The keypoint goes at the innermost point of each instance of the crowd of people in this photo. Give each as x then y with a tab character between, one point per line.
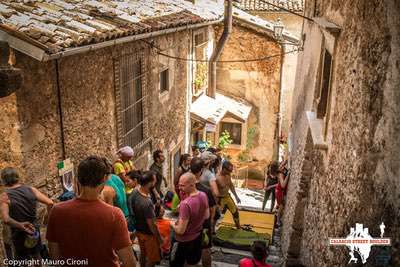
117	205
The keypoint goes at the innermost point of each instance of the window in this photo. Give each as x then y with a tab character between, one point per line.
325	85
200	38
200	68
131	100
234	130
164	80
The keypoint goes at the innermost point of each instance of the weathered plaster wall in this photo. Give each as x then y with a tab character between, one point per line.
356	179
256	82
293	24
10	140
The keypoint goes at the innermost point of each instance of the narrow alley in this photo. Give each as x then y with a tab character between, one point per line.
207	133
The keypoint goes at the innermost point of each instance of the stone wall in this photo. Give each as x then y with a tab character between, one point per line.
256	82
355	180
88	104
37	124
167	110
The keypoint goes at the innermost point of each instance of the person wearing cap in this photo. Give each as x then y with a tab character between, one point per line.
208	178
123	165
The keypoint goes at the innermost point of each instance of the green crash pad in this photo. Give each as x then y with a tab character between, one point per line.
230	237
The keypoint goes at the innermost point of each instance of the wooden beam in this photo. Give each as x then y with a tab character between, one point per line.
23	37
326	25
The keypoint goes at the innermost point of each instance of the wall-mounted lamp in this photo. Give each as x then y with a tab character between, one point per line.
278	29
278	34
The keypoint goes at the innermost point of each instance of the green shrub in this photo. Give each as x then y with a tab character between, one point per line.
224	140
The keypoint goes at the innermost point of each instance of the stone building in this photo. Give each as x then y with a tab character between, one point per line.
259	83
293	24
97	75
344	146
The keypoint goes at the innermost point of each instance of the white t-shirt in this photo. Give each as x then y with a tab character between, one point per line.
206	177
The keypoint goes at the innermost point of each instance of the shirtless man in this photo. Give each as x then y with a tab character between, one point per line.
225	201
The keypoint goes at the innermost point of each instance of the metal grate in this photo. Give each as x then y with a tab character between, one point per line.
131	78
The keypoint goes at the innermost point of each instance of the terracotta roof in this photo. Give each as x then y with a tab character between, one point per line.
262	5
57	25
251	21
212	110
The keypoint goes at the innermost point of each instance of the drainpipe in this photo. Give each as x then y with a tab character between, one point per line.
279	115
212	68
59	106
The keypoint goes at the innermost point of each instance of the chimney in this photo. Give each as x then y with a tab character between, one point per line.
10	78
212	68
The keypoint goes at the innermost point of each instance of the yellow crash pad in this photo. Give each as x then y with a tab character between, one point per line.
260	222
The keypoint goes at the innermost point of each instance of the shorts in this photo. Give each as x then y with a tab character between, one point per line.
227	203
186	252
21	251
280	195
130	221
206	238
149	246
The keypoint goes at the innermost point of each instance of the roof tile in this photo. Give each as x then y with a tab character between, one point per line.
262	5
62	24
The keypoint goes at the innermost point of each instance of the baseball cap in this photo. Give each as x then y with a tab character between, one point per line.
208	156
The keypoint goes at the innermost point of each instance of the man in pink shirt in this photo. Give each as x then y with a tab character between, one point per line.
259	252
193	211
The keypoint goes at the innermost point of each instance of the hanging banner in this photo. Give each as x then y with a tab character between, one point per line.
66	172
211	127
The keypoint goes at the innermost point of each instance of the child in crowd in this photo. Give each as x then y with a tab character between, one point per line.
164	228
259	251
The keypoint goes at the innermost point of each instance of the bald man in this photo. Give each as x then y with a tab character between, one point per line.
193	211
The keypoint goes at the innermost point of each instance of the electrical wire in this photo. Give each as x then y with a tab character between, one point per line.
219	61
230	61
